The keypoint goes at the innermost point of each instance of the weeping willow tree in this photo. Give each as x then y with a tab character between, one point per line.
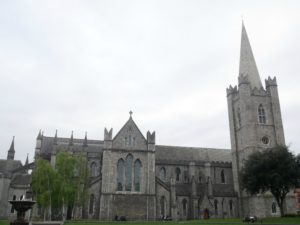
63	187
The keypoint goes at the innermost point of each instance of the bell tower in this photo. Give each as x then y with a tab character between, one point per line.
254	119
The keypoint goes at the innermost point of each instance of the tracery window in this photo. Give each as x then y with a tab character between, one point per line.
162	174
137	175
91	208
261	115
216	206
128	172
94	169
222	177
184	207
120	175
177	171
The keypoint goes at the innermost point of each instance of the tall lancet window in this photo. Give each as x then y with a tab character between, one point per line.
239	121
128	173
137	175
261	115
120	175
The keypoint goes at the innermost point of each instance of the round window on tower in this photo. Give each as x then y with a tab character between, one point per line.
265	140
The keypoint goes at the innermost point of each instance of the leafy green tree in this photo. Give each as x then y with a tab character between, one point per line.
43	184
63	187
275	170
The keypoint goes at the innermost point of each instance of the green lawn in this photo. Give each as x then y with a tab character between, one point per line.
282	221
286	220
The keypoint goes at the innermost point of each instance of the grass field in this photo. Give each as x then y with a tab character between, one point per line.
282	221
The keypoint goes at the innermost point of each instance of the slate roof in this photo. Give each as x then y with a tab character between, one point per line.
7	166
21	180
175	154
63	143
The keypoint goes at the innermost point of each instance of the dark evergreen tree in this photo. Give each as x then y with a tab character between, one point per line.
276	170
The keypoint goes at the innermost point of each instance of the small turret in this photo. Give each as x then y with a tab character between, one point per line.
39	137
85	142
108	138
71	142
11	151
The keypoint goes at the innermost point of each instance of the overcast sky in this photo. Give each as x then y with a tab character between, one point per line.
83	65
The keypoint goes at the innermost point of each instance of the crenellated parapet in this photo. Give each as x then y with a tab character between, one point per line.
271	82
260	91
231	90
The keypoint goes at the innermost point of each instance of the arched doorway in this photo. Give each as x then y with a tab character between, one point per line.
206	214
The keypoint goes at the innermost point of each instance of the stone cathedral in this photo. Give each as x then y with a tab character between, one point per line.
132	176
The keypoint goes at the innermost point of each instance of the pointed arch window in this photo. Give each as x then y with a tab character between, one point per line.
177	171
120	175
137	175
239	121
128	172
261	114
184	207
216	206
222	177
162	174
92	200
94	169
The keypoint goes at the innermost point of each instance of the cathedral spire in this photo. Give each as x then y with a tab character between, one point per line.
247	62
11	151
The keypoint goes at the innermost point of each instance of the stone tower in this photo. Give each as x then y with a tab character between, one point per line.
255	121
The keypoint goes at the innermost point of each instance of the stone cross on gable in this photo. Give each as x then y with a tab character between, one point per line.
130	113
